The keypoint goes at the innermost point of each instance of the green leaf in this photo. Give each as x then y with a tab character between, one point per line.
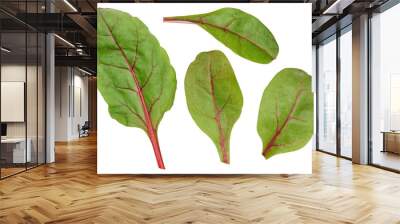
285	119
214	98
243	33
135	76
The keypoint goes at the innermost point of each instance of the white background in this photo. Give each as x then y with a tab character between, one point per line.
185	148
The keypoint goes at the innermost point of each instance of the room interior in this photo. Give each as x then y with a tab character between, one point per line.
48	107
22	102
335	66
385	85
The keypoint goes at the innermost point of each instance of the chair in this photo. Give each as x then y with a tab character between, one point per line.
84	130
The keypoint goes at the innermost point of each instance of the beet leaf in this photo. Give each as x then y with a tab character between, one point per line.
135	76
243	33
285	119
214	98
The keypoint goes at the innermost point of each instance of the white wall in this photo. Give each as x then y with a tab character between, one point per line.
81	83
33	127
12	73
17	73
13	100
70	83
62	81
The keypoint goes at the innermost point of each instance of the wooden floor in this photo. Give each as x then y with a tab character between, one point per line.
69	191
5	172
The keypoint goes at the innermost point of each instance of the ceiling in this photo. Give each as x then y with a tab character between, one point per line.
75	21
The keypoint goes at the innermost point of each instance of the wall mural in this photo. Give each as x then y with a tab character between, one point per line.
203	102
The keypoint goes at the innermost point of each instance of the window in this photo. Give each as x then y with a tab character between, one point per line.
346	93
385	89
22	77
334	106
327	96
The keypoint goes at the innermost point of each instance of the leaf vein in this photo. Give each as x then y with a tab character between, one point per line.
278	130
201	21
217	117
149	125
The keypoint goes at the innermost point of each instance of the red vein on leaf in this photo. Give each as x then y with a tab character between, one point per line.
278	130
125	88
297	118
136	47
115	66
156	100
217	118
152	133
134	112
150	74
110	83
286	144
223	28
226	103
